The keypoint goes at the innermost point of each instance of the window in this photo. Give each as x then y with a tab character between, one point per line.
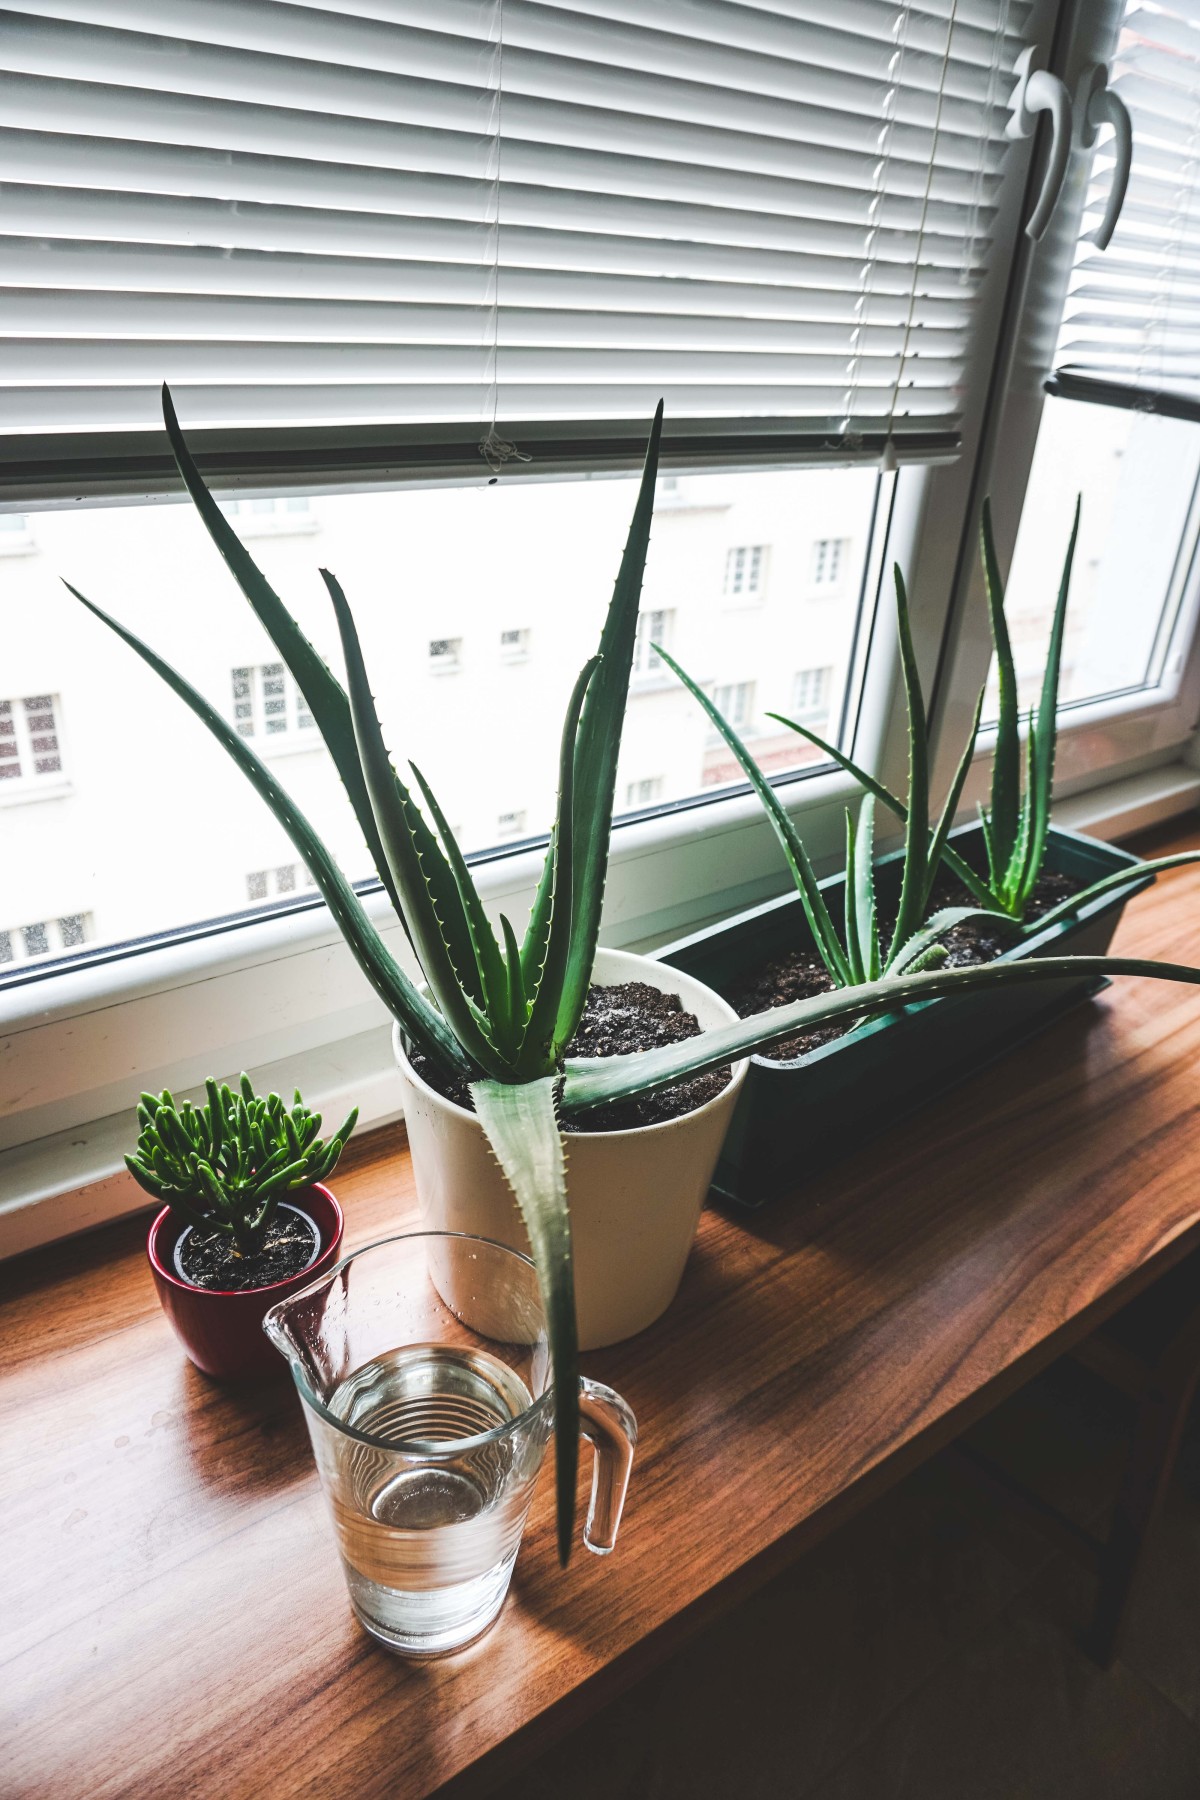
511	824
16	539
810	696
271	884
1111	413
286	516
829	556
652	628
735	701
30	747
268	703
25	943
514	645
445	655
744	569
1136	475
644	792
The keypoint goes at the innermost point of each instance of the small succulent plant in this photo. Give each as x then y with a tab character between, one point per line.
225	1166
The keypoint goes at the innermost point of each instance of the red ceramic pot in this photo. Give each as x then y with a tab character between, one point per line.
222	1330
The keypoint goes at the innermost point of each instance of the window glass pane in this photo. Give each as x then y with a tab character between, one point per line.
473	639
1137	475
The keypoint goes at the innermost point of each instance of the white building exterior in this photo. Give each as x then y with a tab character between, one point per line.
477	607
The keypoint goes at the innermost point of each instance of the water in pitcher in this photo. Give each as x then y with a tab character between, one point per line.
429	1535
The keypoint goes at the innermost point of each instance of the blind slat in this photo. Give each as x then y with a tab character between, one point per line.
1131	315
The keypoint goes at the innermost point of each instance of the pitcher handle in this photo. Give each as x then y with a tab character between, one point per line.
610	1428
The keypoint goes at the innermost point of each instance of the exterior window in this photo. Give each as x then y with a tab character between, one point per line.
268	703
30	746
269	884
644	792
810	695
284	516
445	654
514	645
16	539
481	759
745	569
735	701
1139	477
829	560
656	627
45	937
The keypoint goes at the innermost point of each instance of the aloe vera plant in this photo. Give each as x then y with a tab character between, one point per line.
501	1012
1016	821
226	1165
861	955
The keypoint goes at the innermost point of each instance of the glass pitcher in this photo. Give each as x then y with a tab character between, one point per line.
429	1433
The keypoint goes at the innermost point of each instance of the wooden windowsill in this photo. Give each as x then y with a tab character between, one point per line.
174	1618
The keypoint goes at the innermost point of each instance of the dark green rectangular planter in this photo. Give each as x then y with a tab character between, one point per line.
797	1116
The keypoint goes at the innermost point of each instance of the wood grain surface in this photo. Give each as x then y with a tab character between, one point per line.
172	1614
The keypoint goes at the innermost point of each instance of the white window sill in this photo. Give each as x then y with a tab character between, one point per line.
25	793
286	743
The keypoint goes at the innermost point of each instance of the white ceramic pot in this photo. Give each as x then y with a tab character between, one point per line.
635	1196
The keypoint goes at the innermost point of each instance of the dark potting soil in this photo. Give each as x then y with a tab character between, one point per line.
631	1015
210	1259
800	973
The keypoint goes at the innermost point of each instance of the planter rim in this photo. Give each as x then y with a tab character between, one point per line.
737	1075
191	1287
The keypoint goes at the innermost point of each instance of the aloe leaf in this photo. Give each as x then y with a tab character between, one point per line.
1045	729
598	1081
537	930
1013	887
322	691
950	856
944	921
1109	884
945	824
1006	761
316	681
399	995
815	910
597	748
416	876
916	829
489	963
521	1126
866	880
518	1002
850	890
995	873
540	1049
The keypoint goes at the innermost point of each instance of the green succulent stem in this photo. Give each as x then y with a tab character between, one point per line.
225	1166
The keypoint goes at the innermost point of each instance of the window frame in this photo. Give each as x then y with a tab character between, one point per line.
1104	738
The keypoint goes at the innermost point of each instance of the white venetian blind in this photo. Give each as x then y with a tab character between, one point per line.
1132	317
413	212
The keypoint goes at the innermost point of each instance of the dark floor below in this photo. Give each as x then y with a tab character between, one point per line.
931	1651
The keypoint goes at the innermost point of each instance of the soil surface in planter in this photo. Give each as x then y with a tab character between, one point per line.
631	1015
210	1259
800	973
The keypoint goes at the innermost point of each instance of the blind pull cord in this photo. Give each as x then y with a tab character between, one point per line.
495	450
